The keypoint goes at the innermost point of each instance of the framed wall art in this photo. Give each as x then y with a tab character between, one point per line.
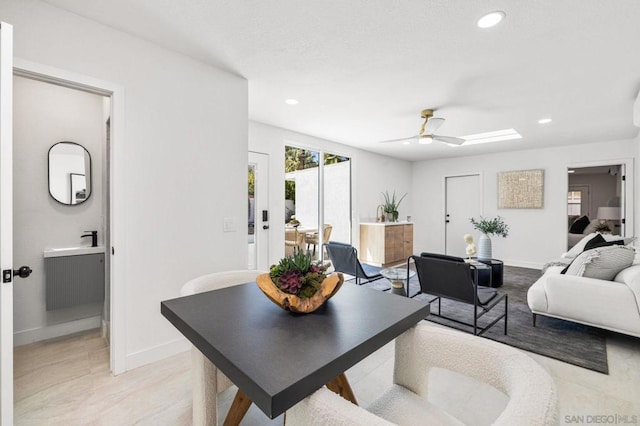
521	189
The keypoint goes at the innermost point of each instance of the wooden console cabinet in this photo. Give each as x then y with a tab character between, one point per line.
385	244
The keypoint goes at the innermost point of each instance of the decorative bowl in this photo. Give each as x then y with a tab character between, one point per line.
290	302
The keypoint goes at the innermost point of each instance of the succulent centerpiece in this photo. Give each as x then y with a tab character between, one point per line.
298	284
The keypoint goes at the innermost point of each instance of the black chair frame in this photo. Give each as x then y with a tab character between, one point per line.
479	309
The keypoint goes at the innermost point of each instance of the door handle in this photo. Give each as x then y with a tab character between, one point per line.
265	226
22	272
447	221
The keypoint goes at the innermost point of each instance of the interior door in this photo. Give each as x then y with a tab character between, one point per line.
6	224
259	211
462	202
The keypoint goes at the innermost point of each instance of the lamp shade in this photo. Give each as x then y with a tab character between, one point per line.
609	213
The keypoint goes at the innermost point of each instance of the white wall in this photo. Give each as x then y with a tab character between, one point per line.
371	175
45	114
185	144
536	235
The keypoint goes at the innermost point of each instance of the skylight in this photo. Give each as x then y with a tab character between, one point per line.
496	136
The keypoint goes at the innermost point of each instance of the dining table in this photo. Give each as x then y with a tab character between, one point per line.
275	357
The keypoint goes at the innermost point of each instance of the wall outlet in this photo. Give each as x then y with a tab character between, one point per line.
229	224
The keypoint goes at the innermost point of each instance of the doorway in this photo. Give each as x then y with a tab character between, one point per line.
463	195
258	223
598	196
114	190
59	203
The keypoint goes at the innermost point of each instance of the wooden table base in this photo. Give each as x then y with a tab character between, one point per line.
241	402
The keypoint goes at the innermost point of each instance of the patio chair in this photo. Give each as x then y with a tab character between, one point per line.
344	258
452	278
292	239
311	238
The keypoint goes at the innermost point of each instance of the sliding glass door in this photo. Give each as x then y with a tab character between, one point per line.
317	199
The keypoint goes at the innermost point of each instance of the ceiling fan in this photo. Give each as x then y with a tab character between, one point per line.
426	135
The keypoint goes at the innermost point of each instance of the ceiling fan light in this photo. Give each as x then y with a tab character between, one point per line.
424	140
491	19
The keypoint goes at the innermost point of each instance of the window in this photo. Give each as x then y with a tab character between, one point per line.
574	203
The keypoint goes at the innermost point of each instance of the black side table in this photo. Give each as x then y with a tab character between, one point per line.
497	268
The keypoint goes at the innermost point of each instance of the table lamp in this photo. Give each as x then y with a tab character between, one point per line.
608	213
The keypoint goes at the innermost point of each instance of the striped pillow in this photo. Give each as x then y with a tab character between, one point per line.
603	263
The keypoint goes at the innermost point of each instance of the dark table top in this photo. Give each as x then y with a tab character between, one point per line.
278	358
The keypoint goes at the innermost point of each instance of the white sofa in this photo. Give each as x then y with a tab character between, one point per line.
612	305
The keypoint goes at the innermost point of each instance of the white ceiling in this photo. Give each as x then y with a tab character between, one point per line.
363	69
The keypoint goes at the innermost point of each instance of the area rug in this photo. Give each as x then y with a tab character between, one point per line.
566	341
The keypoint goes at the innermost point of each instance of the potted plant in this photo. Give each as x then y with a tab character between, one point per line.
298	284
488	227
391	205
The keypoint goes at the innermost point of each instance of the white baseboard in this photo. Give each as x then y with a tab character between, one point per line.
524	264
49	332
156	353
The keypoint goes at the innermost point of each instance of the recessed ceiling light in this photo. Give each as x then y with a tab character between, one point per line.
291	102
498	135
545	120
406	143
491	19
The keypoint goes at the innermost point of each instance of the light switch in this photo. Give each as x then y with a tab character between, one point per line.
229	224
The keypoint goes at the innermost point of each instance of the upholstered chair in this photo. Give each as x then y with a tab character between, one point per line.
208	381
531	391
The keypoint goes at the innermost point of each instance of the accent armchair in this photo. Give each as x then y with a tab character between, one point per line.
530	389
344	258
452	278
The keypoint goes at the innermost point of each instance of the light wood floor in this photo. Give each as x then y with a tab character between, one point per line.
66	381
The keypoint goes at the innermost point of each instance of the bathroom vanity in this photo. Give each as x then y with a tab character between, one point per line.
74	276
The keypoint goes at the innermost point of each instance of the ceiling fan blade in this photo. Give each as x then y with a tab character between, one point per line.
449	139
410	139
433	124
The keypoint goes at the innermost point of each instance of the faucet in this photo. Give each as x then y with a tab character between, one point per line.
94	237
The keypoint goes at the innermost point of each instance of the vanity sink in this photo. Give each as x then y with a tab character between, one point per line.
73	251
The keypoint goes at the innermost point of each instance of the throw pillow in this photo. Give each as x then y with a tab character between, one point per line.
579	225
599	241
579	247
602	263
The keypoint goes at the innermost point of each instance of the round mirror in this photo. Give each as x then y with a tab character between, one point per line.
69	173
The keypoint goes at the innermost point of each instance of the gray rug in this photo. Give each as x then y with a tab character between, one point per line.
566	341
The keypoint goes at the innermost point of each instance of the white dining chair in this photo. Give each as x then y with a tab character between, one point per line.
208	381
530	389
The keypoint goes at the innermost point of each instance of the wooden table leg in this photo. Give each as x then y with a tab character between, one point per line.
238	409
340	385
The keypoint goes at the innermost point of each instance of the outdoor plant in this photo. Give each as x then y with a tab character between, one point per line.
298	274
391	205
495	226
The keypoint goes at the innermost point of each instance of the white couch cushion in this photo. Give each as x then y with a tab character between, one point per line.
602	263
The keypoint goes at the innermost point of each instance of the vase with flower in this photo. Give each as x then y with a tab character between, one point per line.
488	227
